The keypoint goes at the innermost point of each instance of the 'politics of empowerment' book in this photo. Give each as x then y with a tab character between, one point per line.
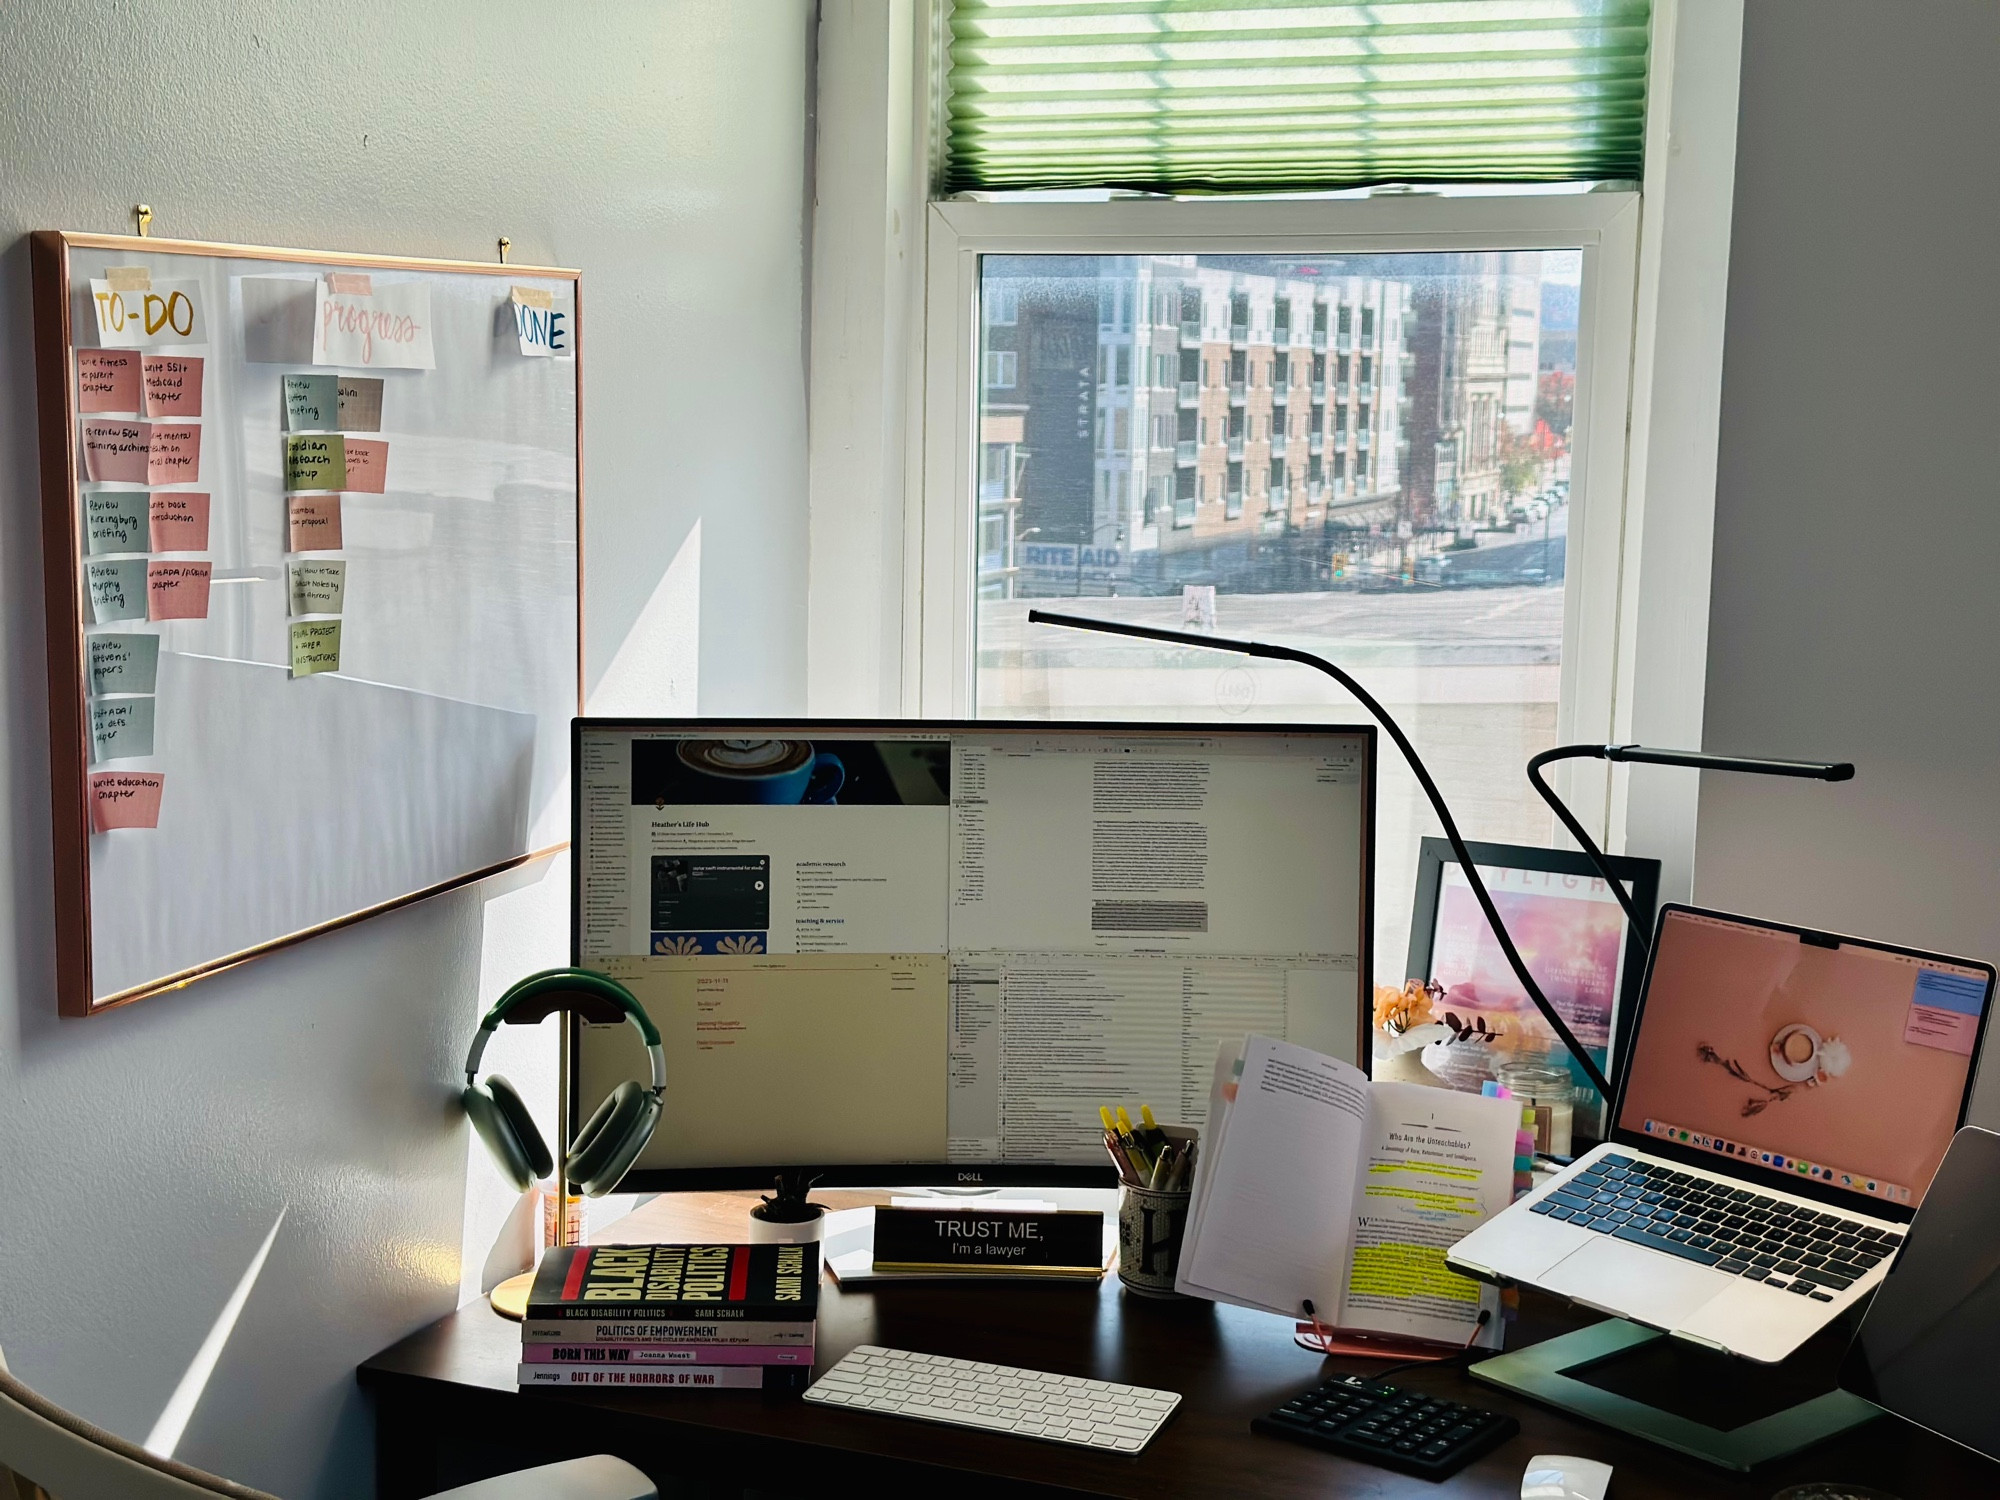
625	1356
710	1377
677	1283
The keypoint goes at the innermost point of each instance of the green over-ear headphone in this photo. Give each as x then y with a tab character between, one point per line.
616	1131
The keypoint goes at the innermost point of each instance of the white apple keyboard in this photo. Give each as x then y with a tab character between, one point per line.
995	1398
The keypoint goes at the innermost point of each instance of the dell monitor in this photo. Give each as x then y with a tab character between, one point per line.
923	953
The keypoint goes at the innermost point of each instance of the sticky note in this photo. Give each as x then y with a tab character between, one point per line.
173	455
388	327
116	452
367	464
117	589
131	317
125	799
315	522
354	283
360	403
123	663
312	403
177	590
315	647
542	326
107	380
121	728
115	521
178	521
318	588
313	462
173	385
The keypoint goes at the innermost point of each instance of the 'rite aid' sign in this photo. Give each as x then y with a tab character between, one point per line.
1057	560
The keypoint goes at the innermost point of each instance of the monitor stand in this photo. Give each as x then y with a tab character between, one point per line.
1726	1411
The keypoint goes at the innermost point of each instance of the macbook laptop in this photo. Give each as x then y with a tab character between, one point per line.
1784	1102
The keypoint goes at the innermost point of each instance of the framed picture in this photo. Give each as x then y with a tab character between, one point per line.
1571	932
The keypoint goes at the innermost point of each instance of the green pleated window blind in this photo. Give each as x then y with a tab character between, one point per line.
1289	95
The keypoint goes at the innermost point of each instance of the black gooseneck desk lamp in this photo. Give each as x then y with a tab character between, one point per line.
1638	754
1542	1371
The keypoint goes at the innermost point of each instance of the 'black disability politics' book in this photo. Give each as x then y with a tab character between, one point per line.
768	1283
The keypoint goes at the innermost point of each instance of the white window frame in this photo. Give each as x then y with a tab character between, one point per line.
941	596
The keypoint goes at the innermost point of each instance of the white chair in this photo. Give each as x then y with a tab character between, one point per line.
47	1453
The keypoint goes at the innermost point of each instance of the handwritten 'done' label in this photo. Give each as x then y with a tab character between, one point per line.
312	403
173	385
315	647
178	521
177	590
125	799
107	380
318	588
314	522
542	324
115	520
123	663
315	463
169	313
389	328
360	403
121	728
117	589
367	465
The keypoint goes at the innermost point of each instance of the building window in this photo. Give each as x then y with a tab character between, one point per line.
1367	326
1000	366
1003	307
1184	497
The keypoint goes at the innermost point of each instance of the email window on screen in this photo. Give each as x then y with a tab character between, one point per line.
1105	910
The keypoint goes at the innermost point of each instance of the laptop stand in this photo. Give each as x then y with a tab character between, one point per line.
1711	1406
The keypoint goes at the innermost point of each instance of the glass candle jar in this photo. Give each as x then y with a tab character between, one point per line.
1549	1088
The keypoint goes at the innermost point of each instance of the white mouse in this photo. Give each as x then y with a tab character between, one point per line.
1558	1476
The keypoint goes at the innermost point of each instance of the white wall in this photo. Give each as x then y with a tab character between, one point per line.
1856	597
660	145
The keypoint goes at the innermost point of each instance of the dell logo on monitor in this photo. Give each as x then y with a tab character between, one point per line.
971	1176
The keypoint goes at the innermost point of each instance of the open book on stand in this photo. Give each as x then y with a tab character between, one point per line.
1316	1183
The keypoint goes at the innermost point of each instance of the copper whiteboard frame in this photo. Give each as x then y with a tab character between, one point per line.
62	544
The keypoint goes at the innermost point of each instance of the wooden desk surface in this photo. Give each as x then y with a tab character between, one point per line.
1229	1364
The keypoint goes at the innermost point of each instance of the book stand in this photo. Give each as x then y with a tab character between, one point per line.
1709	1405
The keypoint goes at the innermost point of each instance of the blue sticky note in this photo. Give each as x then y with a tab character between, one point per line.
123	663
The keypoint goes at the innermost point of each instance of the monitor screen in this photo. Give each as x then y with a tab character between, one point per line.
1841	1064
928	952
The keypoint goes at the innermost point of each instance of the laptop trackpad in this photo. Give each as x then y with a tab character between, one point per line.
1633	1282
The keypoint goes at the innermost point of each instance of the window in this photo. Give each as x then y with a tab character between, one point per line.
1281	368
1002	307
1184	498
1367	328
1124	372
1000	369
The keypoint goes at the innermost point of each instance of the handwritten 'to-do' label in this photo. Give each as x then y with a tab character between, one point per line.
318	588
177	590
122	663
125	799
314	522
389	327
121	728
360	403
107	380
115	521
315	462
179	521
173	385
132	317
312	403
315	647
117	589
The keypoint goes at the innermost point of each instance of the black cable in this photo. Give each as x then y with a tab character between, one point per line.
1640	937
1367	700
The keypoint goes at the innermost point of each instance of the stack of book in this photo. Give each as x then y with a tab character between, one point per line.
716	1316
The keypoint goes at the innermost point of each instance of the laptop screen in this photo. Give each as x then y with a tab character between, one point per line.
1841	1064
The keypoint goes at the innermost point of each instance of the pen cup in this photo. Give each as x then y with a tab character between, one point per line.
1151	1225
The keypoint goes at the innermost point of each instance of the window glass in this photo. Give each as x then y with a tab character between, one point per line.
1416	537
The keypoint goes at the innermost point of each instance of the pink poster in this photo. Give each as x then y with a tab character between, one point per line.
125	799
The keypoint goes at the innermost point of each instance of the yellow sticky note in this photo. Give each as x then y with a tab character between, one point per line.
315	647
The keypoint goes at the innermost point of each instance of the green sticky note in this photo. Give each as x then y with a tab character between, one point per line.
318	588
314	462
312	403
315	647
117	589
123	663
121	728
116	520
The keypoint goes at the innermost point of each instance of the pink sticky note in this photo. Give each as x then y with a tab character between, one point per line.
173	385
174	456
367	465
315	522
116	452
1946	1030
125	799
107	380
179	521
177	590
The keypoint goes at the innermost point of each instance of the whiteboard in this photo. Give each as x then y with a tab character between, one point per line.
303	777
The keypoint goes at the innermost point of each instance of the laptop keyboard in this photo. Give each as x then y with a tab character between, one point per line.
1715	1223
